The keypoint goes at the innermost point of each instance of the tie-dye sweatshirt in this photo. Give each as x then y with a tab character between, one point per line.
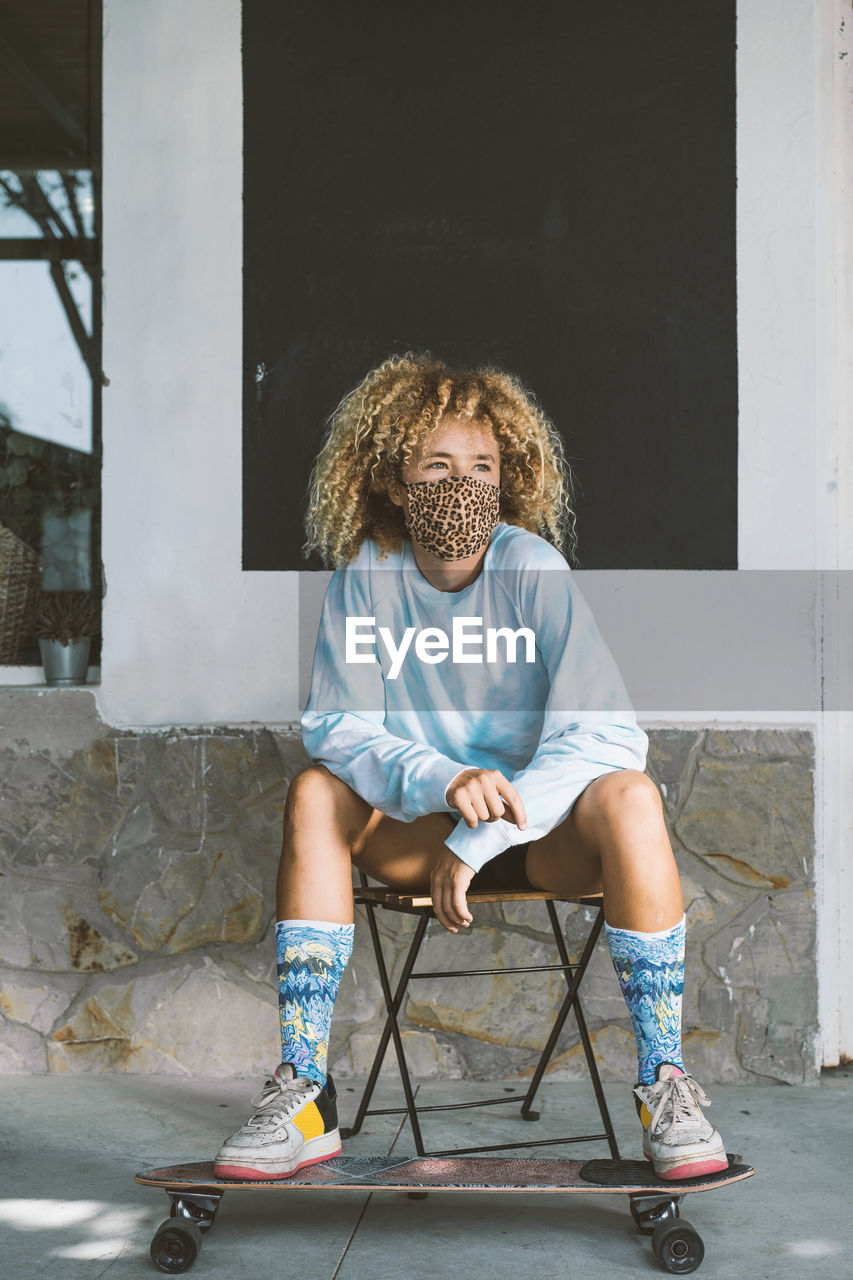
552	715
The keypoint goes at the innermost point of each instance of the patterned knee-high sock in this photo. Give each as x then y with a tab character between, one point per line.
311	957
650	968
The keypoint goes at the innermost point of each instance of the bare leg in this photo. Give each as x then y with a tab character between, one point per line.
322	819
327	828
614	841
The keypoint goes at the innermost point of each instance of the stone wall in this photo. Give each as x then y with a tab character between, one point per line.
136	912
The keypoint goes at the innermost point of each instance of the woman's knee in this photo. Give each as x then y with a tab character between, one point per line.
315	789
312	785
624	794
316	796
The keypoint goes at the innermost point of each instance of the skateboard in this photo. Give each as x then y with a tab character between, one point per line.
195	1194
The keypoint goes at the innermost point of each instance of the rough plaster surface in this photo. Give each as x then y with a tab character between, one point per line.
136	913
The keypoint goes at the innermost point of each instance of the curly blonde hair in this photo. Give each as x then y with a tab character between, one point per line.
384	421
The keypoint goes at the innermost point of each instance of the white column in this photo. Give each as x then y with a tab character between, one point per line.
188	637
794	219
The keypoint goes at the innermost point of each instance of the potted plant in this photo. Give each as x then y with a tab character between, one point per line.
65	624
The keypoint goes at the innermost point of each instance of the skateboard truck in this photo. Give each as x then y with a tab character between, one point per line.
201	1210
648	1211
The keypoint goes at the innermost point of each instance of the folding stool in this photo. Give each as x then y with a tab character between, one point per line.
420	905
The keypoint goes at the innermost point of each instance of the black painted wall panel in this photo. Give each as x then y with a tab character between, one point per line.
550	186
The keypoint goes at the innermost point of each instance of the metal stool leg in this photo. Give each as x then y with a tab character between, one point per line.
572	1001
391	1028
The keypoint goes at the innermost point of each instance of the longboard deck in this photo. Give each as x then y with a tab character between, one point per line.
454	1173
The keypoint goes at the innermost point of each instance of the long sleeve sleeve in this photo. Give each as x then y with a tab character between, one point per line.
589	726
343	721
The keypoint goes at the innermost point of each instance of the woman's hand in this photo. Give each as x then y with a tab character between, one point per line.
486	794
448	886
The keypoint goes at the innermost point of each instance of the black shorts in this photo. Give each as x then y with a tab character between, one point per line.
506	871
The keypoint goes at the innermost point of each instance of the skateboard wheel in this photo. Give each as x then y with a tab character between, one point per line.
678	1247
175	1246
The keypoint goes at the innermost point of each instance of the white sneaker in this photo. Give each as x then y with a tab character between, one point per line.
295	1124
677	1138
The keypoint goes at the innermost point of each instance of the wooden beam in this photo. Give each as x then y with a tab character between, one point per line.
34	82
38	249
48	161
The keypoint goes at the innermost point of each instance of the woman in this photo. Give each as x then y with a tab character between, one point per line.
468	729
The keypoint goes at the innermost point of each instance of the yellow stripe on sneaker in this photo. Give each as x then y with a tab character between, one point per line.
645	1116
309	1122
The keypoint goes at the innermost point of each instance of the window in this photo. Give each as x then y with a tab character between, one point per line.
50	315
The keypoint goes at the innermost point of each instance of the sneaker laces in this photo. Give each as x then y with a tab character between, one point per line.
681	1095
290	1096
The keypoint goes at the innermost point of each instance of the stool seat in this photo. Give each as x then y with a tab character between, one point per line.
382	898
397	900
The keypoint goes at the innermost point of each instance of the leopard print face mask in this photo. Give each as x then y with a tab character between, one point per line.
453	517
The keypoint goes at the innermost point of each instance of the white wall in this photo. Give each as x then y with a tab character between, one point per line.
795	257
188	638
837	65
191	639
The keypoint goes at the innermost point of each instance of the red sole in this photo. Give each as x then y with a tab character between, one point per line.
227	1171
696	1169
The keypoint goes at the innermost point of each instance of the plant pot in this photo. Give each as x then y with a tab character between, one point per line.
65	663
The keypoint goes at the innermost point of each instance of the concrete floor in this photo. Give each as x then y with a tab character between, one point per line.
69	1207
